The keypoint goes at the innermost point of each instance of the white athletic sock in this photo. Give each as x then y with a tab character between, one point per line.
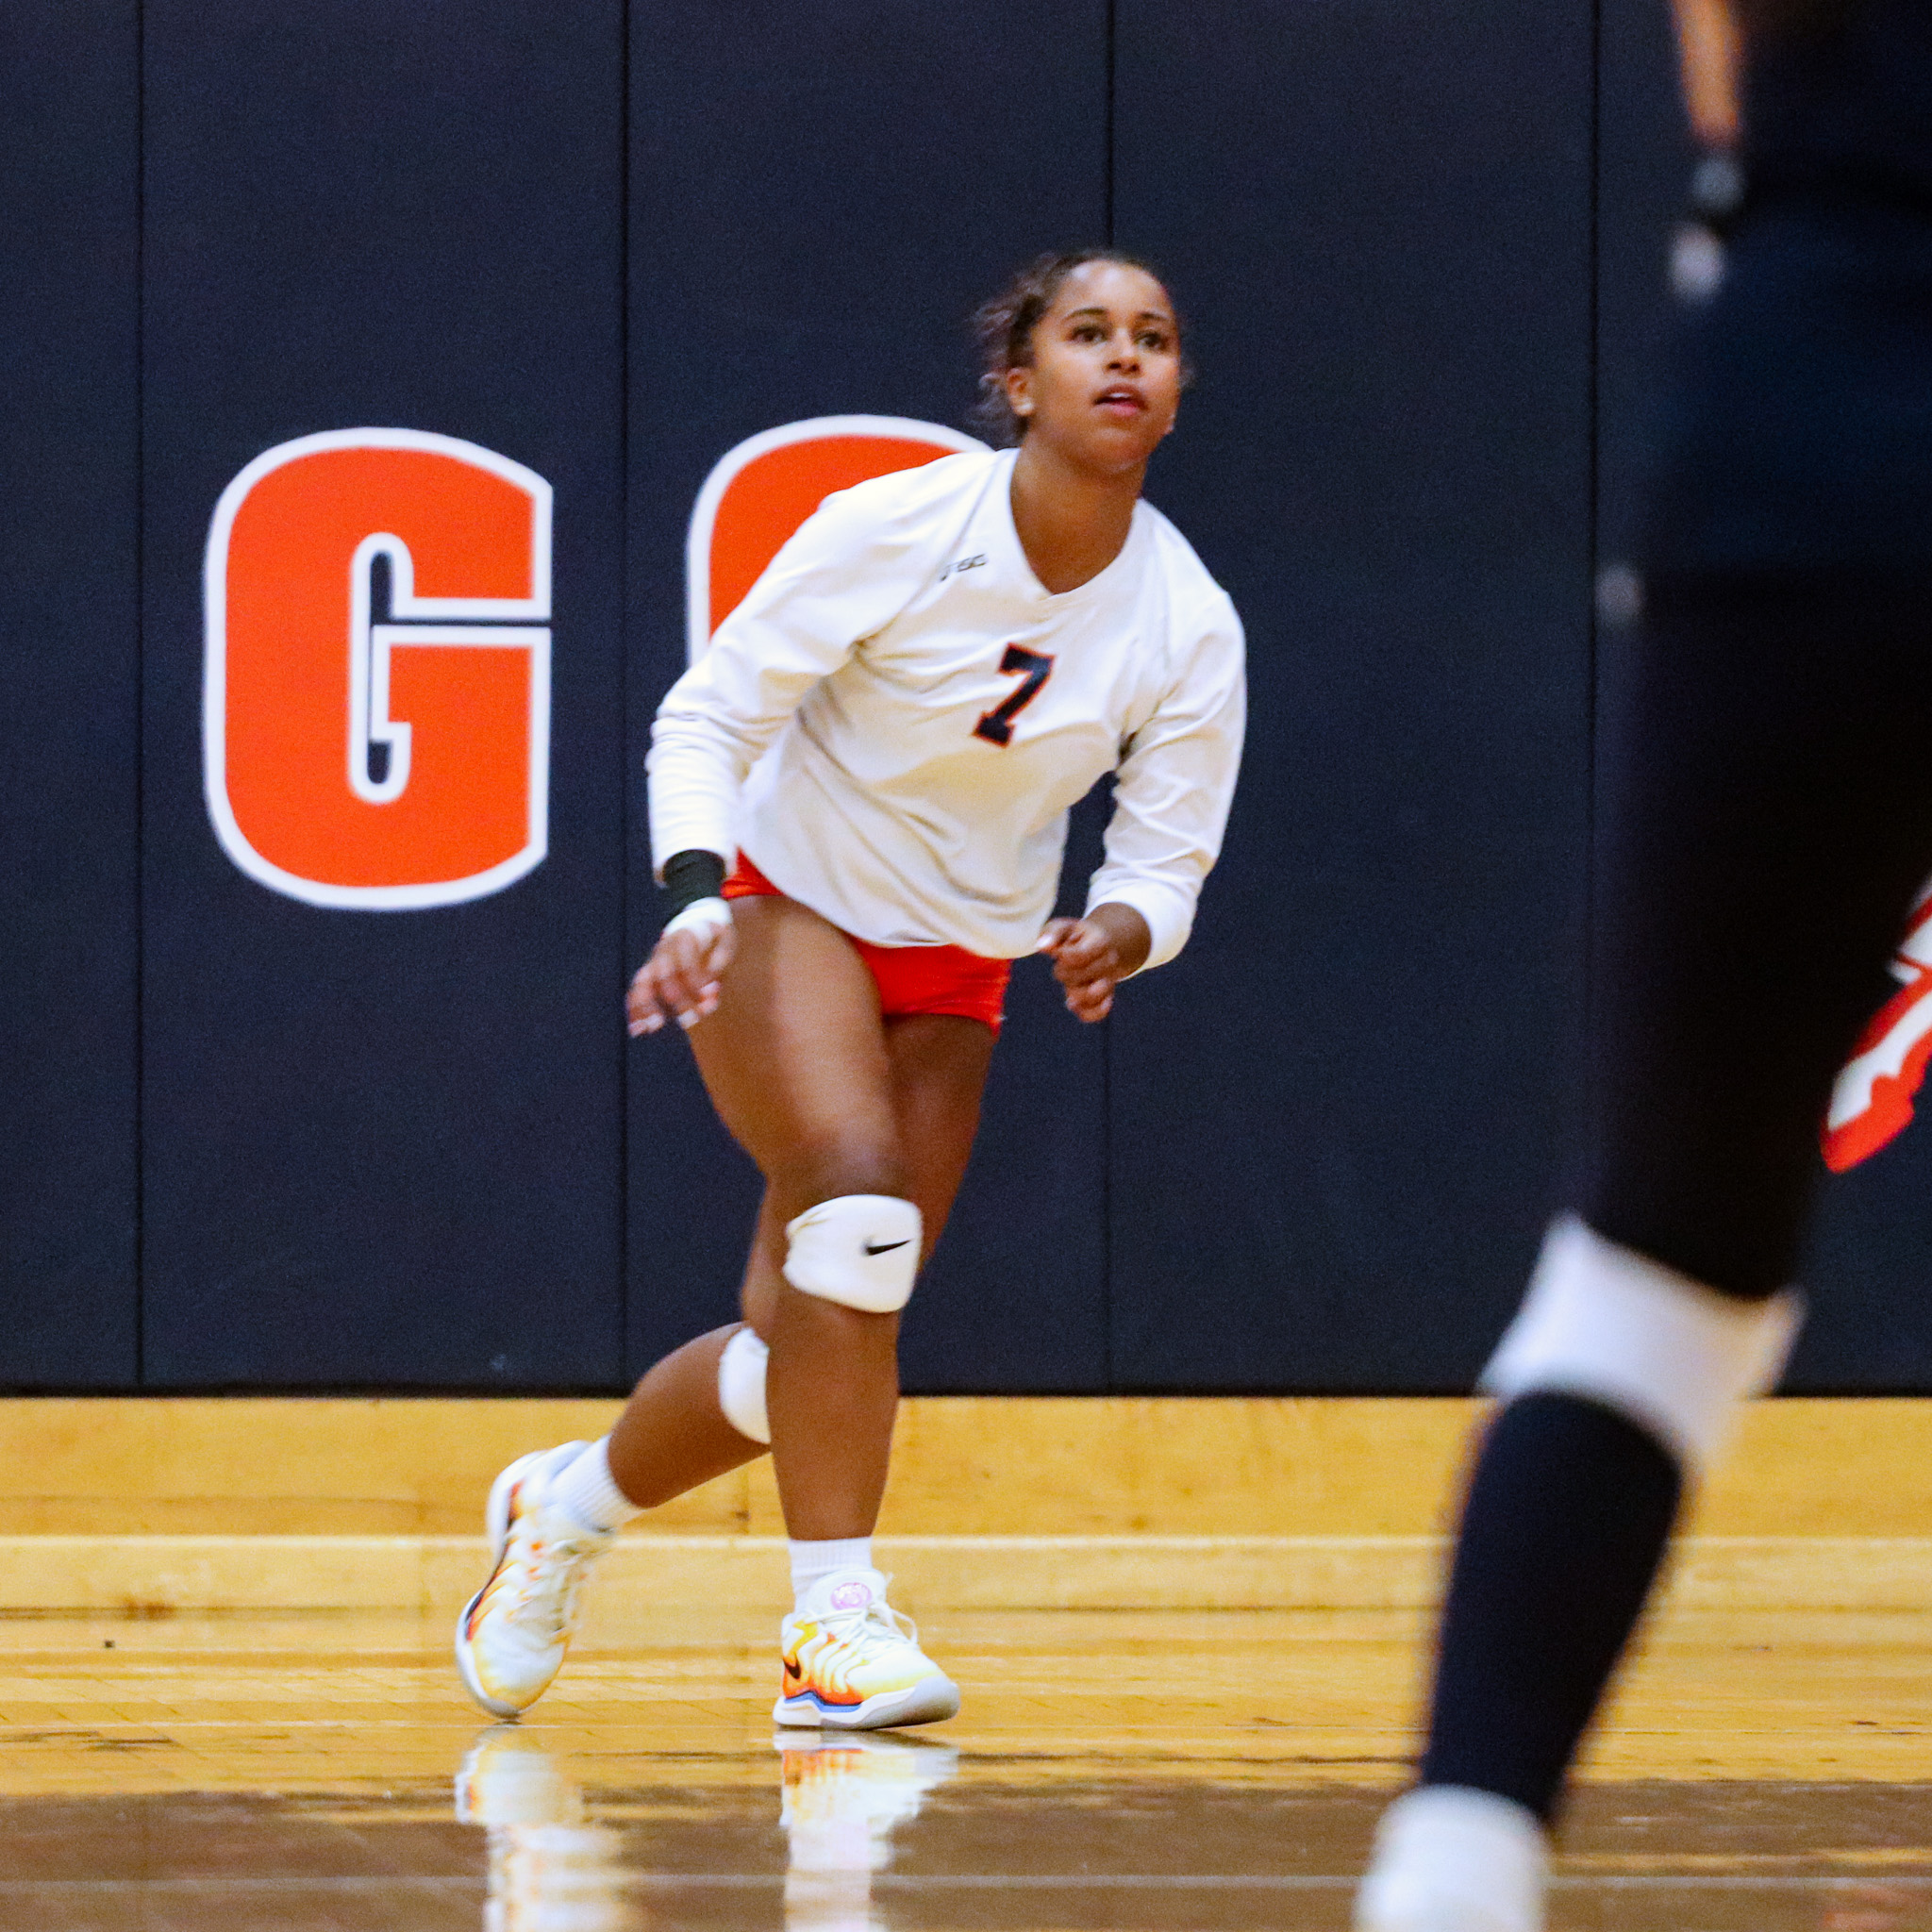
589	1491
810	1562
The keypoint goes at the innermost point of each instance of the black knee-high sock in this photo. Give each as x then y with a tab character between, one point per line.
1566	1523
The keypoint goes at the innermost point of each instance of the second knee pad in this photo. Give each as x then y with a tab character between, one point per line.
859	1250
1672	1356
742	1385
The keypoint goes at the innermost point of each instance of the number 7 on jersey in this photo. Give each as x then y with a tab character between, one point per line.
1033	668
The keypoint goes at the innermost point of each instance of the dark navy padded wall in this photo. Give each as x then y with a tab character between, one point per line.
394	1149
1867	1278
382	1147
820	196
1333	1118
69	131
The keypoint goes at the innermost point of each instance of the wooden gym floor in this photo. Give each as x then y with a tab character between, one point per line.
1156	1753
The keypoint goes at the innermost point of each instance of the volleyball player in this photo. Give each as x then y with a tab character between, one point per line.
1770	823
858	800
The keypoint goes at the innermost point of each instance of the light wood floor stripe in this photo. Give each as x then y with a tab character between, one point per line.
162	1574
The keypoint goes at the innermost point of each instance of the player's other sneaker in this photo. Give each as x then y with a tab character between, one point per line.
512	1634
852	1662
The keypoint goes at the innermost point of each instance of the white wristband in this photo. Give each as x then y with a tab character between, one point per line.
706	918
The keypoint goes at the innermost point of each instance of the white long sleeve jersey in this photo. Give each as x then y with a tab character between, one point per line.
895	722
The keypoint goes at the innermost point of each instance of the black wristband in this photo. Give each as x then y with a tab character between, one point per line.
690	877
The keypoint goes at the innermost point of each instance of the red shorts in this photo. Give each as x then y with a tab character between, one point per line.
910	979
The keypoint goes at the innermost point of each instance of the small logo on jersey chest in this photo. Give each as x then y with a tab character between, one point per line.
977	562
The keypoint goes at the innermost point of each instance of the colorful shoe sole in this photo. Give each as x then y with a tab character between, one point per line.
932	1700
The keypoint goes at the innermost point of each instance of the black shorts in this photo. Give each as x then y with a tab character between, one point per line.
1799	431
1764	828
1797	436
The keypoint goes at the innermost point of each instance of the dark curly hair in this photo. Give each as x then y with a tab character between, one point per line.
1003	328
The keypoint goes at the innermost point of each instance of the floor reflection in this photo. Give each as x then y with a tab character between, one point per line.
552	1869
1770	1773
549	1870
844	1795
863	1839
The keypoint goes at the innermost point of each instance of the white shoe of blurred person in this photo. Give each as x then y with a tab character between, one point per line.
514	1633
549	1871
844	1795
1449	1859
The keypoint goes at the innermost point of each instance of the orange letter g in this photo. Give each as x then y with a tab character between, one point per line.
375	721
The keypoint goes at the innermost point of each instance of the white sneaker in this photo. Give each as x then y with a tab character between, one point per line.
852	1662
512	1634
1449	1859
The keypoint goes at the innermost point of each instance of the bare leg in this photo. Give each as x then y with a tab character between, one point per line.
833	1388
829	1100
672	1435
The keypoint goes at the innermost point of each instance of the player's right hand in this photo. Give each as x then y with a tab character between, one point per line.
682	979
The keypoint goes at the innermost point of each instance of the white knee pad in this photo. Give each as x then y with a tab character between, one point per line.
742	1385
862	1250
1671	1354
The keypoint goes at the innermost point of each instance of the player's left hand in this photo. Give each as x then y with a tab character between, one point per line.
680	980
1092	956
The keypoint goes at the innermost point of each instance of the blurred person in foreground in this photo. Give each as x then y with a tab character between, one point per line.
1766	827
